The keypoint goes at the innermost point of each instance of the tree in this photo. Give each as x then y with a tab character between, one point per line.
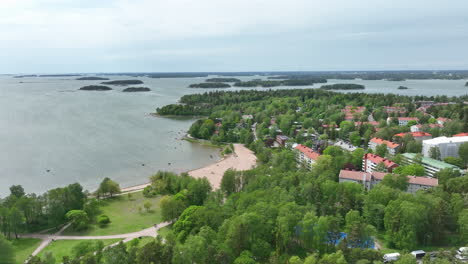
78	218
463	225
410	170
147	206
396	181
103	220
17	191
6	251
454	161
381	150
381	167
108	187
463	153
406	259
172	207
116	255
228	182
434	153
355	138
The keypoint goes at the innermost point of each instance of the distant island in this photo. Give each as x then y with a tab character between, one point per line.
396	79
59	75
271	83
25	76
402	87
210	85
92	78
221	80
123	82
343	86
136	89
95	88
466	84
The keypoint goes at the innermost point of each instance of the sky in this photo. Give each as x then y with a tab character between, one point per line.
73	36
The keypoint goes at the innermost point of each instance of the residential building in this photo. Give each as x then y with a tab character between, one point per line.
392	148
353	111
370	162
443	120
419	127
369	179
281	139
431	166
448	146
345	146
461	135
419	136
394	109
306	156
403	121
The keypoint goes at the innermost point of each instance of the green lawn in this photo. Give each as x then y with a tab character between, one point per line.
164	231
61	248
24	247
125	216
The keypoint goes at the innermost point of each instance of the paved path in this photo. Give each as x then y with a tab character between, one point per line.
47	239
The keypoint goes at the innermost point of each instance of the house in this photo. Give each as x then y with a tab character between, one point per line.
419	136
281	139
403	121
345	146
351	112
370	162
394	109
392	148
419	127
461	135
306	156
369	179
431	166
443	120
448	146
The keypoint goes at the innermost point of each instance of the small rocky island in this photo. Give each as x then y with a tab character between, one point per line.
343	86
92	78
95	88
466	84
402	88
221	80
210	85
136	89
123	82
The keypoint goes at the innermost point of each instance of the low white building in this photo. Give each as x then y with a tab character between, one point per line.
448	146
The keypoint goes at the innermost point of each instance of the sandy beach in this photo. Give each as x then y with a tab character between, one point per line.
242	159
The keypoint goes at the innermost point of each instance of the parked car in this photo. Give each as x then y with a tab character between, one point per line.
391	257
462	253
418	254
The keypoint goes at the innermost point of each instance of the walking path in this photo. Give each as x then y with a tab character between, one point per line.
47	239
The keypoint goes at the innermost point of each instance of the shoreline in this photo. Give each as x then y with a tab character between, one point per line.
242	159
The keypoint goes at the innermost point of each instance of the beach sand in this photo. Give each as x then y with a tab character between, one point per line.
242	159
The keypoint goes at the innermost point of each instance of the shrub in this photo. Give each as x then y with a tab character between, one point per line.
149	192
103	220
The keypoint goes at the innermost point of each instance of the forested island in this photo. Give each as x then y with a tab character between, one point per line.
218	80
466	84
402	88
343	86
95	88
136	89
270	83
396	79
210	85
92	78
123	82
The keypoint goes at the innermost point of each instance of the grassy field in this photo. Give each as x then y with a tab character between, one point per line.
61	248
125	216
24	247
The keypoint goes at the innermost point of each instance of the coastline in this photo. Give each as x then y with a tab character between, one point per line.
242	159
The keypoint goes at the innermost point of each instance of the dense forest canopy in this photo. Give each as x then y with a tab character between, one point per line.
210	85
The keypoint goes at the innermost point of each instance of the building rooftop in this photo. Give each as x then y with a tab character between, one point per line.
308	152
441	140
461	135
386	142
377	159
408	118
414	134
427	181
433	162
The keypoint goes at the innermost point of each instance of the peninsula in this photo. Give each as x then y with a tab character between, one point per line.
343	86
92	78
136	89
218	80
210	85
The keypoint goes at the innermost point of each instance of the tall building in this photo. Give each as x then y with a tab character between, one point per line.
448	146
306	156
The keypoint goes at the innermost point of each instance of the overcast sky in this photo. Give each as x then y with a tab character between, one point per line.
57	36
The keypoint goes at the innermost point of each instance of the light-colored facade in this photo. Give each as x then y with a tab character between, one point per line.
431	166
305	156
448	146
392	148
370	162
369	180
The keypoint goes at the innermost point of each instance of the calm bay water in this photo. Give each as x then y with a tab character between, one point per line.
51	134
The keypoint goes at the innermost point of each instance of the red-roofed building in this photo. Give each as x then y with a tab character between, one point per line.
370	179
395	109
443	120
420	136
392	148
305	155
353	111
461	135
418	127
370	162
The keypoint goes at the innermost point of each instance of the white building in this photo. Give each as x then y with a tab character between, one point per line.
306	156
448	146
392	148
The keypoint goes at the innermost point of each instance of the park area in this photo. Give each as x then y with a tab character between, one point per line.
126	213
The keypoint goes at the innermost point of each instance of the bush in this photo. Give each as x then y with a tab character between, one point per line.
149	192
103	220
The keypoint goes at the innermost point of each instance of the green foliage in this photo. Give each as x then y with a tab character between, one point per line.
103	220
108	187
410	170
454	161
396	181
6	251
463	153
78	218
